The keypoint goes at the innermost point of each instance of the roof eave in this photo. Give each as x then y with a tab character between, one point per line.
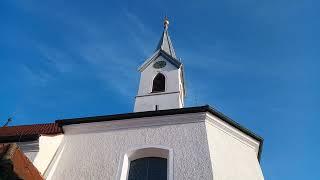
154	56
197	109
21	138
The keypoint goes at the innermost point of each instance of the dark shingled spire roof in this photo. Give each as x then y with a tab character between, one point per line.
165	43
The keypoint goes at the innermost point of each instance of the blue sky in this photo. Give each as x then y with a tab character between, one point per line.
256	61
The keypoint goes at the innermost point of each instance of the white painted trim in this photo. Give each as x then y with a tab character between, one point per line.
207	117
158	93
54	162
106	126
154	56
145	151
148	61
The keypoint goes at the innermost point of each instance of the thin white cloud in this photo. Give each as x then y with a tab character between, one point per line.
140	33
57	59
93	44
114	69
36	77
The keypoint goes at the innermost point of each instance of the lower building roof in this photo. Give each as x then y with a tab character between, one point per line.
27	132
32	132
187	110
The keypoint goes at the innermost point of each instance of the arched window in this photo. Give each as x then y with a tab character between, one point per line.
148	168
159	83
147	163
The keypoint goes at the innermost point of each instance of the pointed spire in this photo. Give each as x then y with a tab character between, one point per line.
165	41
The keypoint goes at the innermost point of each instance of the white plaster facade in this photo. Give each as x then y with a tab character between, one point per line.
233	154
199	146
42	151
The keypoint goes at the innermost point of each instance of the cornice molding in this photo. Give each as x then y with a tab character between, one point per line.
235	133
160	118
160	93
106	126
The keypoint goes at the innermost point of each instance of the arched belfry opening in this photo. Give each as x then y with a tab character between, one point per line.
159	83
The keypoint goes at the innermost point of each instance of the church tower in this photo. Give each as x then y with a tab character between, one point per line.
161	81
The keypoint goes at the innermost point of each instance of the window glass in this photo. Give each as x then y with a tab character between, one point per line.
149	168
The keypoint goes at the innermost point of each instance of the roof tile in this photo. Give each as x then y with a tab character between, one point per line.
34	129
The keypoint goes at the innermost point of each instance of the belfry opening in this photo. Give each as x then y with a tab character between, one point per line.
159	83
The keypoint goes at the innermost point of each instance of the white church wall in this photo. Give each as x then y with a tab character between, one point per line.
48	146
41	151
234	154
170	71
97	150
147	103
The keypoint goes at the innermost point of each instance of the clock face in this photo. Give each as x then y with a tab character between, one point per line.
159	64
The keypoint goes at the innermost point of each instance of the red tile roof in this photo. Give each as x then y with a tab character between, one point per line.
24	131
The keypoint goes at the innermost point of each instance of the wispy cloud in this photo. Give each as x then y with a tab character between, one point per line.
114	69
56	59
36	76
140	33
93	45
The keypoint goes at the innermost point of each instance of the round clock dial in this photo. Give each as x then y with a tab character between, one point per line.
159	64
